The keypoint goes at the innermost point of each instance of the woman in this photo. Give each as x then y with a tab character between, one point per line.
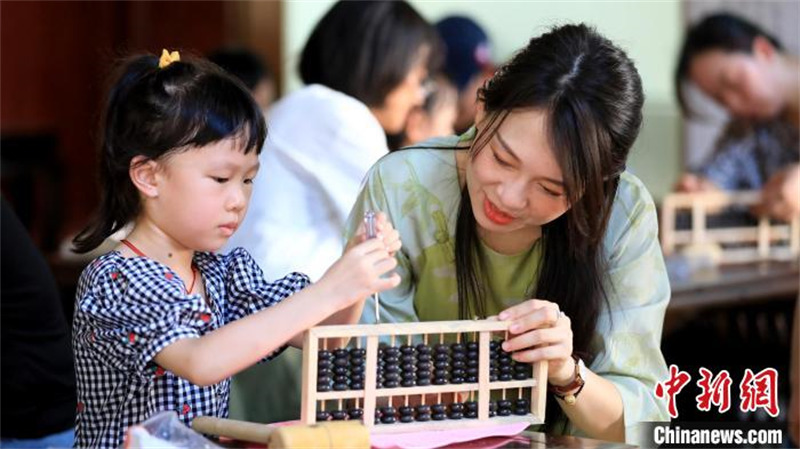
364	65
745	70
534	202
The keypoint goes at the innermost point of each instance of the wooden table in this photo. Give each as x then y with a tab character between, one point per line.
731	286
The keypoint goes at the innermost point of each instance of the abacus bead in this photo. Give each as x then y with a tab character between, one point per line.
520	376
392	351
493	345
357	352
442	365
423	417
456	407
408	367
323	415
472	346
471	379
472	371
341	362
357	369
423	374
324	355
356	361
522	403
340	387
440	373
391	376
506	369
471	406
424	382
391	359
356	385
323	364
340	353
406	349
441	348
424	366
341	371
406	410
456	415
423	349
504	412
408	358
441	357
423	358
339	415
439	408
460	356
504	377
458	347
456	380
407	383
340	379
390	384
471	414
503	403
439	416
406	418
460	364
439	381
323	387
356	413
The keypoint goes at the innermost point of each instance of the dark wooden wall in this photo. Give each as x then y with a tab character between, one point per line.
56	58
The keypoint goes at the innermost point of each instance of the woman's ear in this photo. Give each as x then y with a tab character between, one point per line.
763	48
480	112
143	175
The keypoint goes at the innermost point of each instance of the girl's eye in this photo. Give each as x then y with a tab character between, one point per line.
220	180
248	181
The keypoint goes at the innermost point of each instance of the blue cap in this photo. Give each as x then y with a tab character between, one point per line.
467	49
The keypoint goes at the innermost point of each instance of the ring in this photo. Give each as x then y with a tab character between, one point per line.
561	314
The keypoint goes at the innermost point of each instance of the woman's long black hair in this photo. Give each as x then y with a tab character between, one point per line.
592	96
154	112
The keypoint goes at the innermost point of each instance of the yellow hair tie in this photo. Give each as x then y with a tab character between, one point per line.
168	58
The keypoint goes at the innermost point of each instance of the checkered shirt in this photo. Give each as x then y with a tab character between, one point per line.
128	309
747	155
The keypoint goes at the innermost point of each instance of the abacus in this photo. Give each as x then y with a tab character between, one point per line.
766	241
412	363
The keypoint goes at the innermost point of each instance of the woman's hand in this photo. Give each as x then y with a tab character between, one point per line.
540	331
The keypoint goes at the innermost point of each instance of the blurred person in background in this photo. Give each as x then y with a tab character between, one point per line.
435	118
468	63
38	374
250	69
746	71
364	67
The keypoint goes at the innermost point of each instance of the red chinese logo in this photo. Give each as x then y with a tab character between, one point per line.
677	380
716	390
760	391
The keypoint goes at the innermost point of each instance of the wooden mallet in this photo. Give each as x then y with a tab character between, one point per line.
327	435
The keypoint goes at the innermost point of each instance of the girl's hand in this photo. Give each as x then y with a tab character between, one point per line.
540	331
357	274
385	231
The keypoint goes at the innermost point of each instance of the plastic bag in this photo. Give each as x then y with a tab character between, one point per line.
164	431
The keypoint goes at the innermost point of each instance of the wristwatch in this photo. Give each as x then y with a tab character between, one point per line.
569	393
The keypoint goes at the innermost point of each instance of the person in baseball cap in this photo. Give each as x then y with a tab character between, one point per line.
468	63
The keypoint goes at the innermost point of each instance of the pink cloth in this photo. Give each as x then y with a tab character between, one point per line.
430	439
437	438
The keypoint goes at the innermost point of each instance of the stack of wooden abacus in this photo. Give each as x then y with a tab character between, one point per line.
402	377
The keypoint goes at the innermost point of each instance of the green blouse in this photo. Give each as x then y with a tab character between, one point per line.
419	191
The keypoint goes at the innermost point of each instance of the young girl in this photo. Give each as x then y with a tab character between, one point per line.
161	323
531	216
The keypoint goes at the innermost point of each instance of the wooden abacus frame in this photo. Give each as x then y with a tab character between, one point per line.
762	235
483	328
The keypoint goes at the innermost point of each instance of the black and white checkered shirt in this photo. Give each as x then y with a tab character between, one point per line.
128	309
